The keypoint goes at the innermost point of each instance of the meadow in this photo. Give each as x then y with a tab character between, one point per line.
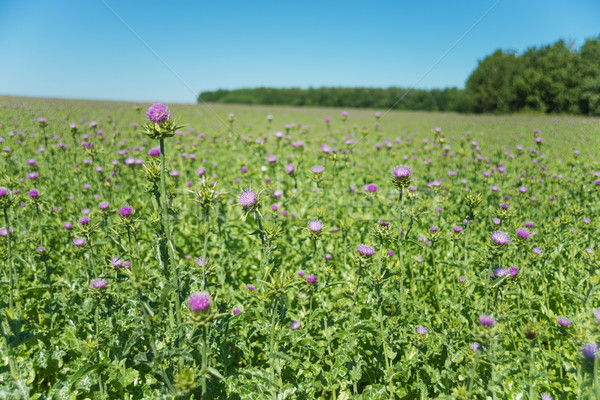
237	252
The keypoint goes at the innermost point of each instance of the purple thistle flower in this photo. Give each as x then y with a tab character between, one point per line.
250	287
597	314
546	396
563	321
154	152
457	229
402	171
537	250
513	271
365	250
67	225
98	283
33	193
315	226
236	311
116	262
84	220
3	191
271	159
496	221
523	233
103	205
289	168
421	330
125	211
317	169
311	278
199	301
248	198
78	242
295	325
462	279
500	238
486	320
384	224
500	272
200	262
474	346
4	232
590	350
158	112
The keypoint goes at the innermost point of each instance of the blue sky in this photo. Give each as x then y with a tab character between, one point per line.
81	49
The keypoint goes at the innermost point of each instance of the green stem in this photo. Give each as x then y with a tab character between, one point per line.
204	360
100	383
11	267
204	250
272	360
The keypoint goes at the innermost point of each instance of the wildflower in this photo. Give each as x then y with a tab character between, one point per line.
116	262
98	283
315	226
317	169
500	272
250	287
563	321
311	278
301	273
295	325
402	176
248	198
421	330
103	205
513	271
474	346
78	242
365	250
236	311
201	262
33	193
457	229
5	232
500	238
158	112
199	301
589	350
125	211
486	320
546	396
289	168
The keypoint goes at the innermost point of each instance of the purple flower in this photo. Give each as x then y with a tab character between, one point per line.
33	193
537	250
5	232
421	330
563	321
500	238
500	272
462	279
317	169
103	205
370	188
433	229
365	250
248	198
315	226
154	152
496	221
84	220
67	225
78	242
522	189
271	159
158	112
289	168
199	301
523	233
402	171
486	320
98	283
513	271
590	350
3	191
457	229
546	396
125	211
250	287
236	311
300	273
200	262
474	346
295	325
116	262
311	278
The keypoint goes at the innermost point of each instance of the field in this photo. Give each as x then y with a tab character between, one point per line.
235	252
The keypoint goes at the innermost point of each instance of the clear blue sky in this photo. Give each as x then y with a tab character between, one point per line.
80	49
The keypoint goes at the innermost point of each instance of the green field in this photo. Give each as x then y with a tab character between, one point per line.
445	307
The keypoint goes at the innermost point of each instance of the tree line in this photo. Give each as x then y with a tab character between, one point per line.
557	78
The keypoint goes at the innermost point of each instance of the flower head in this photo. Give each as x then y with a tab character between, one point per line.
199	301
563	321
365	250
248	199
317	169
295	325
402	176
315	226
78	242
523	233
125	211
98	283
421	330
486	320
158	112
590	350
474	346
311	278
500	238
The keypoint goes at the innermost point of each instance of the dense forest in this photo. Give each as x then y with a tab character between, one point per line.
557	78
